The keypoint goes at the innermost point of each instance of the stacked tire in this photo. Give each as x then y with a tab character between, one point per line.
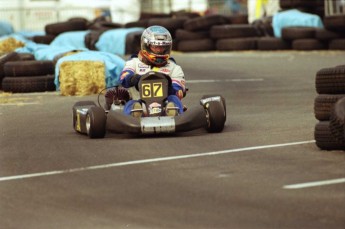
27	75
336	24
195	34
12	56
96	28
329	108
54	29
302	38
235	37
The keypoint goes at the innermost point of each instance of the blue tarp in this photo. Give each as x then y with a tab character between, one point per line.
30	46
290	18
114	43
114	40
26	33
72	40
15	36
113	65
5	28
50	52
45	52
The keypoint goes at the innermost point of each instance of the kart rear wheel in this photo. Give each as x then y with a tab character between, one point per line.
215	115
77	104
95	122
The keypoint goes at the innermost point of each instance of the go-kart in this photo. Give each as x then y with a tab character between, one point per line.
95	120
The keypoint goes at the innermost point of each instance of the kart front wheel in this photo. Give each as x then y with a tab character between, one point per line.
74	109
95	122
215	115
216	95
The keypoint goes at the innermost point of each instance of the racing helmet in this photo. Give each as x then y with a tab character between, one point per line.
156	44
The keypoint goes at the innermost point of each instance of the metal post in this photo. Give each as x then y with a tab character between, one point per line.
170	6
21	15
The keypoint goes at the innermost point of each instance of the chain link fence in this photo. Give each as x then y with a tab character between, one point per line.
34	18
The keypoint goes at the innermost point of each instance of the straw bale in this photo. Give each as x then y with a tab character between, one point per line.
81	77
10	44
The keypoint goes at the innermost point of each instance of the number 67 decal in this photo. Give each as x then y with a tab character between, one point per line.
152	90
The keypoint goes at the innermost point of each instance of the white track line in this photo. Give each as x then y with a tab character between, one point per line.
19	104
314	184
227	80
146	161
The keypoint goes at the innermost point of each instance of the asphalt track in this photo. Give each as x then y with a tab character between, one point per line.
263	171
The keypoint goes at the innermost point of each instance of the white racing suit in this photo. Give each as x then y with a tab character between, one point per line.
135	66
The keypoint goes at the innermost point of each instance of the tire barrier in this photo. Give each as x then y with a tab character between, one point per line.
216	27
329	108
20	73
193	32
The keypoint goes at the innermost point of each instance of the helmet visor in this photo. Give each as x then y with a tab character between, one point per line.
160	49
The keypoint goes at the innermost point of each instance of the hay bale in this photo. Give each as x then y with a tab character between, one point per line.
81	77
10	44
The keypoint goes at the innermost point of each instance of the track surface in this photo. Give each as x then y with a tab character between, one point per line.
52	177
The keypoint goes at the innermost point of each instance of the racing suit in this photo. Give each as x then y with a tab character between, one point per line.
134	66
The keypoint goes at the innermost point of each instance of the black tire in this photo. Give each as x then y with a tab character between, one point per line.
204	22
233	31
29	84
182	34
216	116
44	39
74	110
337	120
222	100
196	45
326	35
95	122
324	138
91	38
141	23
82	19
12	56
60	27
133	42
237	19
272	43
109	25
171	24
293	33
264	27
184	14
308	44
330	80
26	56
29	68
335	22
337	44
323	105
236	44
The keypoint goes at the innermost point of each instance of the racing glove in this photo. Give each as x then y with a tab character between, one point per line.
180	94
134	80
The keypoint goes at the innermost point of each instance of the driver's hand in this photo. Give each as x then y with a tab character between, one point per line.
134	80
179	94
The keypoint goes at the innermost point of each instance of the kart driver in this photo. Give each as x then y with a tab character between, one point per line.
154	55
